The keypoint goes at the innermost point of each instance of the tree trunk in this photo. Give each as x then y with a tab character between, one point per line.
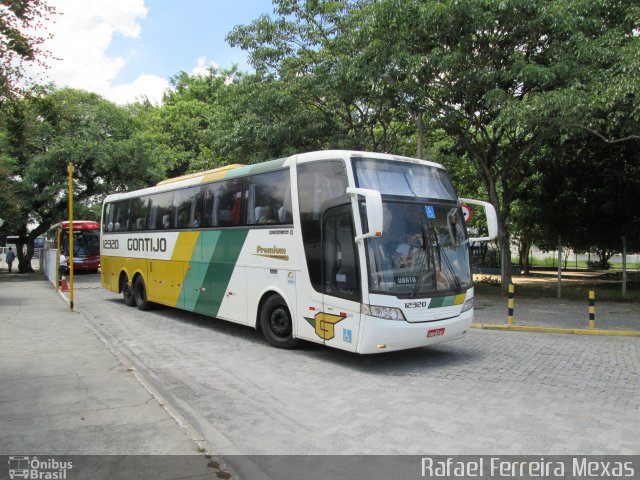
527	259
505	257
24	260
624	266
524	252
559	266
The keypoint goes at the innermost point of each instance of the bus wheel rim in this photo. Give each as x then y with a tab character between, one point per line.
279	322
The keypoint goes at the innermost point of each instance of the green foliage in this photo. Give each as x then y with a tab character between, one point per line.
49	129
586	193
593	69
501	76
20	41
321	51
532	104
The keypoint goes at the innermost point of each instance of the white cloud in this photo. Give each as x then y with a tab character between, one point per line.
202	67
145	86
82	34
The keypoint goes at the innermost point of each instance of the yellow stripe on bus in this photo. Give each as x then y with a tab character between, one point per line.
185	245
208	175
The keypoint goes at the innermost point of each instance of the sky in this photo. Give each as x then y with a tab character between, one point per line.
125	50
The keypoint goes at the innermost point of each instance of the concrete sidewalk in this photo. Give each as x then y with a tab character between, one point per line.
557	313
64	391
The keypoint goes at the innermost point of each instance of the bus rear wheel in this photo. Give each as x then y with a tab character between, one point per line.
140	294
127	292
276	323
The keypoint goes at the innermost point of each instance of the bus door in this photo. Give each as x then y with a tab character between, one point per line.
339	321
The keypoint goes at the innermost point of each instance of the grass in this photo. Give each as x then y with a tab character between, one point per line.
552	262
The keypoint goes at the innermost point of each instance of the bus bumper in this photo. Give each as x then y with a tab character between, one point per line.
379	335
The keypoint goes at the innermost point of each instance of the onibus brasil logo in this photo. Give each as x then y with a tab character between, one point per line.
33	468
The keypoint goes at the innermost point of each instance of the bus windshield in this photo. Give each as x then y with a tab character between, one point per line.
423	250
404	179
424	247
86	243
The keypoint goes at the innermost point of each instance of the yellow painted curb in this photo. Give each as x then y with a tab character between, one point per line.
575	331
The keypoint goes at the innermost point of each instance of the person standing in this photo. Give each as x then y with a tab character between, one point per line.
11	256
63	264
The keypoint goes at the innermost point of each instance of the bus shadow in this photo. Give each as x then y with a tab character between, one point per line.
200	320
413	362
401	363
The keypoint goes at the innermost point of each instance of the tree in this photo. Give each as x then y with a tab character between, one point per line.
18	46
8	200
48	129
478	69
315	49
589	190
601	54
260	117
227	117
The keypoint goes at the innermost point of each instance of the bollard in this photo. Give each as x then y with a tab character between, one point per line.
592	309
510	304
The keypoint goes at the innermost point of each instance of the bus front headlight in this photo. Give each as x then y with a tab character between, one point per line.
468	305
388	313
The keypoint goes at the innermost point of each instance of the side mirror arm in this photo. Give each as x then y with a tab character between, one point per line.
492	219
373	204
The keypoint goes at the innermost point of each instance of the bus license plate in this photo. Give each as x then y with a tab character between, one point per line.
435	332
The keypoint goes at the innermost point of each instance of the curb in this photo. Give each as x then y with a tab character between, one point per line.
575	331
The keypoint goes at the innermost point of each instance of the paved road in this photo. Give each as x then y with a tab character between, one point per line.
487	393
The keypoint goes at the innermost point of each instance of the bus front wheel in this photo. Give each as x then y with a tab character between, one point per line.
140	294
276	323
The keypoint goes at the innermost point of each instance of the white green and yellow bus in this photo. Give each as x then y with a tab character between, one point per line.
360	251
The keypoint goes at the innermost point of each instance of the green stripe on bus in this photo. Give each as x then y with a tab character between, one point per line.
447	301
215	272
195	277
436	302
263	167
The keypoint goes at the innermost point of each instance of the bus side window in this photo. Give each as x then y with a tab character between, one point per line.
223	203
183	202
153	215
138	213
236	188
218	201
285	211
266	197
197	207
121	216
160	208
107	220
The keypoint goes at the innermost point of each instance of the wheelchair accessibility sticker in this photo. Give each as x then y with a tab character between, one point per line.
346	335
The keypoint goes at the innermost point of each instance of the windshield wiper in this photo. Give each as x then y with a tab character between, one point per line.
429	260
428	247
447	263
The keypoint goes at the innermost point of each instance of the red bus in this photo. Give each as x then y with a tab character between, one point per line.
86	243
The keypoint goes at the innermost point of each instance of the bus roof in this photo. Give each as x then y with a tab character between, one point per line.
238	170
207	173
328	154
78	225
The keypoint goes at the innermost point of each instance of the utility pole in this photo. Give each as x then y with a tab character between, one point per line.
70	259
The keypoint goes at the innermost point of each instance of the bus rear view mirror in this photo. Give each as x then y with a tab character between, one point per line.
373	204
492	219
